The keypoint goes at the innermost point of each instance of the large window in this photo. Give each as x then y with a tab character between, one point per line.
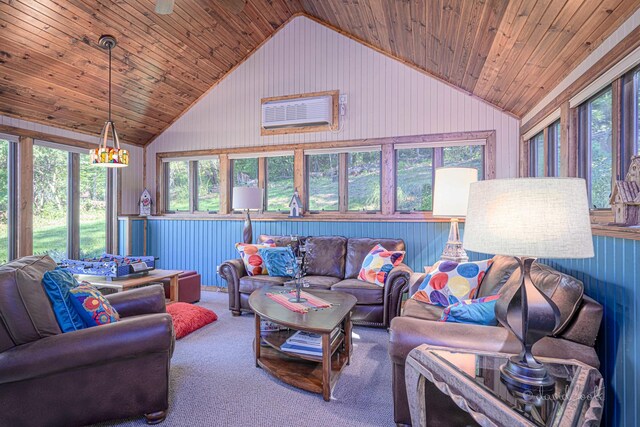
93	208
363	174
415	168
279	183
596	152
208	199
322	182
50	201
245	172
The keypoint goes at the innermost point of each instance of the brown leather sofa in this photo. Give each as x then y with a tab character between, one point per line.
333	262
49	378
573	339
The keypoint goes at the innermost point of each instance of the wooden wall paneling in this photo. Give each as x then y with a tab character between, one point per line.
262	179
160	207
298	174
617	171
24	193
225	184
565	125
490	155
388	179
524	157
572	146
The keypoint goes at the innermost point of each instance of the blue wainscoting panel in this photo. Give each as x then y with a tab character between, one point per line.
611	278
122	236
137	237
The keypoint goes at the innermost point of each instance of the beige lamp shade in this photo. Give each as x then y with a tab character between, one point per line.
532	217
247	198
451	191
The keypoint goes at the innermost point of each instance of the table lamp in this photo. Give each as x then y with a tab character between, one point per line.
529	218
247	198
450	197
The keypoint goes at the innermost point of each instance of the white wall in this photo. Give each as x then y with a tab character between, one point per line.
131	177
385	98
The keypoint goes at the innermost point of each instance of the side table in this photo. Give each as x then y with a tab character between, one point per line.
472	380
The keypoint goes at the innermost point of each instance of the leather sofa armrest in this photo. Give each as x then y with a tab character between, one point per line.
395	287
231	271
145	300
92	346
407	333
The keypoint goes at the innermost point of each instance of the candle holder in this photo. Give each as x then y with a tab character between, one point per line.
297	269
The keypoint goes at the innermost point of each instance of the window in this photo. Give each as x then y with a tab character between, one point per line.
208	199
363	175
636	114
414	179
6	200
245	172
596	153
50	201
323	182
415	168
93	209
279	183
177	175
536	155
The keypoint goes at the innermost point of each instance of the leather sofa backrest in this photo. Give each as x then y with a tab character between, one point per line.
585	324
498	274
281	241
565	291
358	248
326	256
25	311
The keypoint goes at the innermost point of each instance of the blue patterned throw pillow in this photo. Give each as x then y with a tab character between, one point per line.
92	306
481	311
280	261
57	284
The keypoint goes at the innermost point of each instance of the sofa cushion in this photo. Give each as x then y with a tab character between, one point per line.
281	241
92	306
280	261
320	282
565	291
253	262
449	282
480	311
501	270
24	306
378	263
418	310
326	256
366	293
249	284
359	248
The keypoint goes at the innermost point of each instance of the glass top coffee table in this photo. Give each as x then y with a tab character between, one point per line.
317	374
472	380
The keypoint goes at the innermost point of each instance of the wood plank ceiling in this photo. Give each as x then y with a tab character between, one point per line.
508	52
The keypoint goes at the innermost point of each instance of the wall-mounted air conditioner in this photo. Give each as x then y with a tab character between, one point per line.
300	112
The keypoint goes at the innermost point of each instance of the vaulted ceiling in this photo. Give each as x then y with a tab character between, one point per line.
508	52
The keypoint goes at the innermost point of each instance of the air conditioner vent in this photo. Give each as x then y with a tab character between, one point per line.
300	112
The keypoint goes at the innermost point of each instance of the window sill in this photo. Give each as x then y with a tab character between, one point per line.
308	217
619	231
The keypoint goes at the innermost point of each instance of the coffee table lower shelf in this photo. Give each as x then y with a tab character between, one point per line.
301	373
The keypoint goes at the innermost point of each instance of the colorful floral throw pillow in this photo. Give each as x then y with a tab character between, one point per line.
92	306
481	311
450	282
253	262
378	263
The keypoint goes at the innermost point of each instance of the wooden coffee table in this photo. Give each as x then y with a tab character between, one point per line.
135	282
311	373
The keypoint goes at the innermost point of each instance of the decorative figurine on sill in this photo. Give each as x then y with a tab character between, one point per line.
625	197
295	206
145	203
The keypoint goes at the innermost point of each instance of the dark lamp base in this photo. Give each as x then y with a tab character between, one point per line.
518	375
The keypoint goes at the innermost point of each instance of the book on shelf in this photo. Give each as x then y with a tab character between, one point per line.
306	343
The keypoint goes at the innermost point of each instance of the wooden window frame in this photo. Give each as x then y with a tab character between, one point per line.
388	173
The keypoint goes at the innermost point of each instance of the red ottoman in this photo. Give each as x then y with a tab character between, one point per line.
188	287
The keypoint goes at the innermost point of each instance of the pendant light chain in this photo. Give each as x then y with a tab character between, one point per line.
109	82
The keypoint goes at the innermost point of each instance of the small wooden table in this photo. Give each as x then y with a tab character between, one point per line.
311	373
135	282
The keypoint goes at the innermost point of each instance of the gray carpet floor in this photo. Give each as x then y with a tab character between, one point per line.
214	381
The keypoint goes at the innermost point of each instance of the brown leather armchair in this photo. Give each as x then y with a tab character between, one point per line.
573	339
49	378
333	263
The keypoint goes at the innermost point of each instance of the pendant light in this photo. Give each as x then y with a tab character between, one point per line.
110	157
